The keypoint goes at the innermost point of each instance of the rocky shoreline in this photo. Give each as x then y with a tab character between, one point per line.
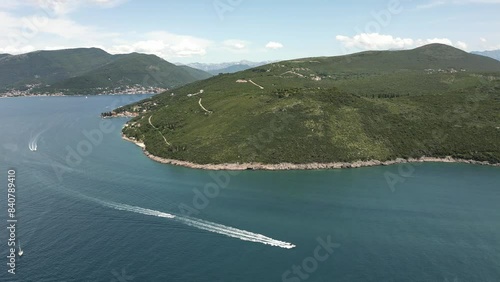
60	94
310	166
125	114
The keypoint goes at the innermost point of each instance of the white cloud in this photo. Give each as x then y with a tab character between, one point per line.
437	3
67	29
235	44
274	45
461	45
376	41
7	22
473	1
62	7
165	44
9	4
487	45
430	5
25	34
22	34
107	3
421	42
19	50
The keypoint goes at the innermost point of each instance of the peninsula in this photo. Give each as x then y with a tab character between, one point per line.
433	103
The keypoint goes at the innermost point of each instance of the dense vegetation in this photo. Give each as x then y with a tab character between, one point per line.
49	66
432	101
90	71
131	69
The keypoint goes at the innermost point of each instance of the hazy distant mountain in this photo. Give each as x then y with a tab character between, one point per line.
230	67
199	74
86	69
495	54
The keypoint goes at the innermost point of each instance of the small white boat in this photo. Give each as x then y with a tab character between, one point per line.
20	252
33	146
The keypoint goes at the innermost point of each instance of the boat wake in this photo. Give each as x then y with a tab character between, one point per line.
33	145
123	207
203	225
189	221
234	232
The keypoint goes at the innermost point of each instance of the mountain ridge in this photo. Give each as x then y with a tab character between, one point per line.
87	70
495	54
435	101
50	66
218	66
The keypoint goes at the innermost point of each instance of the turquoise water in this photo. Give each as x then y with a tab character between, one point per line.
105	212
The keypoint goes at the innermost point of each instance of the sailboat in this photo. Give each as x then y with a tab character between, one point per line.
20	252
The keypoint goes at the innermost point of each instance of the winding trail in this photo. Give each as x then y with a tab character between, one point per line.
196	94
199	102
158	131
292	72
255	84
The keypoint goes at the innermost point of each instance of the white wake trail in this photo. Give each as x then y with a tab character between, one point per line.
33	145
202	224
234	232
123	207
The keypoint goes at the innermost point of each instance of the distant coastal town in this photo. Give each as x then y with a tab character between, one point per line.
36	90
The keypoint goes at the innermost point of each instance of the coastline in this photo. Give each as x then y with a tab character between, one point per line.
310	166
72	95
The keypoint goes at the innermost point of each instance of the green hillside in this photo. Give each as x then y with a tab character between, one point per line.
433	56
49	66
431	101
196	72
131	69
89	71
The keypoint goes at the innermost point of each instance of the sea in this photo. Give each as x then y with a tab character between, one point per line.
90	206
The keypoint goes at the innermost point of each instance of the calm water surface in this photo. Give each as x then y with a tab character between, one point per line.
92	207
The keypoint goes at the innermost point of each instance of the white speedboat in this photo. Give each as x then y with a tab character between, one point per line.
33	146
20	252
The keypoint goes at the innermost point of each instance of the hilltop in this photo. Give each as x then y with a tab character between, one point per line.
50	66
433	101
90	71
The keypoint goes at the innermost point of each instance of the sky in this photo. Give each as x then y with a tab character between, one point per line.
215	31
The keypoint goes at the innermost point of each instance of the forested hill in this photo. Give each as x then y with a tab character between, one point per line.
431	101
89	70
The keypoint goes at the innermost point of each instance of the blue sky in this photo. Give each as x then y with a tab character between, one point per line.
213	31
